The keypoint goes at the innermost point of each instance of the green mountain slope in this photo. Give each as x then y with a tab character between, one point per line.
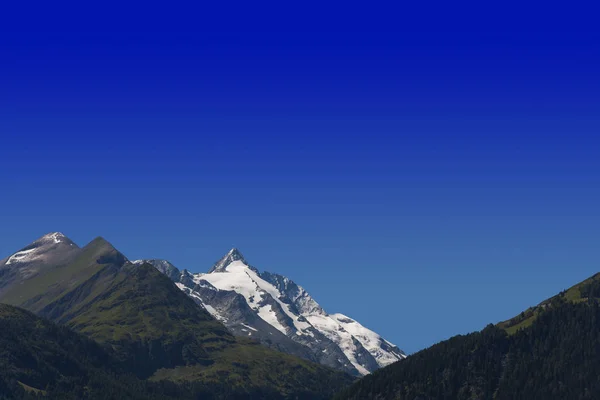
248	365
575	294
144	317
156	331
54	281
556	355
39	357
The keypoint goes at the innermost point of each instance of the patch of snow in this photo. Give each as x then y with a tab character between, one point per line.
57	237
239	277
197	278
194	295
251	328
54	237
267	314
337	334
20	256
211	310
370	340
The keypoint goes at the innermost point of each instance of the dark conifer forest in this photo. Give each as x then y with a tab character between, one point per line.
556	357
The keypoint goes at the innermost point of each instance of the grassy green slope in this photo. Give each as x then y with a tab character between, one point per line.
161	332
55	281
575	294
37	356
143	304
247	365
145	318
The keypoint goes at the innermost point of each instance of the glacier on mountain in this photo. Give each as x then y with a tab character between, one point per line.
281	314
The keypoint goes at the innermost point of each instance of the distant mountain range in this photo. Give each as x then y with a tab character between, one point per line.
87	323
263	306
153	338
281	314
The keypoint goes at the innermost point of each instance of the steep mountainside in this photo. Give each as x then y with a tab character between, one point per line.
39	357
156	331
54	279
555	355
49	250
577	293
280	314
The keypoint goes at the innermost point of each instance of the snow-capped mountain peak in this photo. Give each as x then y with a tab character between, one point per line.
281	314
55	237
51	248
40	248
261	296
231	256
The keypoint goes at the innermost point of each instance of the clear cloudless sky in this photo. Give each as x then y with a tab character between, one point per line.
425	171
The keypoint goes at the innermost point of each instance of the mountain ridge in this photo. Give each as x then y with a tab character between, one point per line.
157	331
288	308
232	255
575	293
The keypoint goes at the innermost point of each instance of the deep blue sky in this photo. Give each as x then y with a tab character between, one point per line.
426	174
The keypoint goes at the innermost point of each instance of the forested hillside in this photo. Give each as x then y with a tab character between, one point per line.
557	356
39	358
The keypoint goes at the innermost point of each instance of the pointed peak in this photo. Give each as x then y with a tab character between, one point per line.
232	255
53	245
55	238
100	241
107	253
235	254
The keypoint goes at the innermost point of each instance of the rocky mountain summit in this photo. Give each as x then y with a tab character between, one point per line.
281	314
51	249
